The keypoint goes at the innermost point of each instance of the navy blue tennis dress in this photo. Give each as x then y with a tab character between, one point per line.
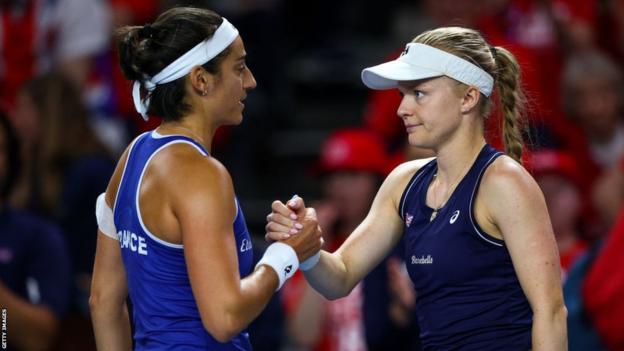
165	314
468	294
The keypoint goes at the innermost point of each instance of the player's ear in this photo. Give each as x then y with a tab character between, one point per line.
470	99
202	81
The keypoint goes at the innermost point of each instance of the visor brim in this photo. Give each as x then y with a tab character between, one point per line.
388	75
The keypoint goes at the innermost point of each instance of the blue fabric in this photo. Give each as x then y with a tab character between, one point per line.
85	178
381	331
31	248
165	313
581	334
469	297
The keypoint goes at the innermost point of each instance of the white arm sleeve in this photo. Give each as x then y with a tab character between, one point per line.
104	215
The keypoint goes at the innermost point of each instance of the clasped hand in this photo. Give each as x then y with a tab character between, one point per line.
295	225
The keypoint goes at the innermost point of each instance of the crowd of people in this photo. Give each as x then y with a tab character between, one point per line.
67	113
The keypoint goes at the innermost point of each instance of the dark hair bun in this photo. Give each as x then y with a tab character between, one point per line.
146	50
129	51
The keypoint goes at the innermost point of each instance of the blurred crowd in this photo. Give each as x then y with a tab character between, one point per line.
66	114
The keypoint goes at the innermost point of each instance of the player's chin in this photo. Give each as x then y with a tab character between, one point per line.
416	140
237	118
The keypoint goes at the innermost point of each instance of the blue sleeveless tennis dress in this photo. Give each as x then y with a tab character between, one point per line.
165	314
468	294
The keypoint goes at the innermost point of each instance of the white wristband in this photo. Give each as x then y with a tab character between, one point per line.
310	262
283	259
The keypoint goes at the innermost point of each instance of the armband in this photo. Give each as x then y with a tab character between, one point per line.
104	216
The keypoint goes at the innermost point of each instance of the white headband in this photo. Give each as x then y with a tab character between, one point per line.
200	54
420	61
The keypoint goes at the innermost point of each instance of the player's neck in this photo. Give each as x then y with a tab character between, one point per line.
195	128
455	158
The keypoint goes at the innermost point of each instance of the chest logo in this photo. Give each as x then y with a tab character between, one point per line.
454	217
408	219
422	259
245	245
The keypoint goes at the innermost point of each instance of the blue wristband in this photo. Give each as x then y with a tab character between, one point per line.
310	262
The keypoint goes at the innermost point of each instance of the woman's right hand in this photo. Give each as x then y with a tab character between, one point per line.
284	219
295	225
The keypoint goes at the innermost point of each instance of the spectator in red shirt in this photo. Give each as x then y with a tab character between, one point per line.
558	176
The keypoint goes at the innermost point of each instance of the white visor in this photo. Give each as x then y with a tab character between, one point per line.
420	61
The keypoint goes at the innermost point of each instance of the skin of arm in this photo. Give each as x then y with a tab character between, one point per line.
337	273
205	208
514	208
109	313
109	290
32	327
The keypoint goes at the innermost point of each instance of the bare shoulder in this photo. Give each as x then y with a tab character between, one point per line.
190	172
507	187
398	179
198	190
505	175
409	168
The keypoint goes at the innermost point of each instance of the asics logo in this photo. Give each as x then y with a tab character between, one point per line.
454	217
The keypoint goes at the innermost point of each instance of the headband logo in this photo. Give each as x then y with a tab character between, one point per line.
405	51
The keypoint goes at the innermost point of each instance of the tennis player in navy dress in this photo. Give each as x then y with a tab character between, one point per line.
479	245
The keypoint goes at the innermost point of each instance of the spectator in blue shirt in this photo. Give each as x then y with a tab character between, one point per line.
34	264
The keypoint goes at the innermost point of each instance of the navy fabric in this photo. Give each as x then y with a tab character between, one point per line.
32	249
469	297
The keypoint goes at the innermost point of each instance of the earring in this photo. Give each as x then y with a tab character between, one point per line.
204	93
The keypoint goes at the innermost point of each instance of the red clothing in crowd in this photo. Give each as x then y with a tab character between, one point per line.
569	256
603	289
35	35
342	327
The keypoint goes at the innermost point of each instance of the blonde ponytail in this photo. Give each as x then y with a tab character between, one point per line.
512	101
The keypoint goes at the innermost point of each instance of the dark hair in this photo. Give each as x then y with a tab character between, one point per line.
61	111
146	50
66	135
13	158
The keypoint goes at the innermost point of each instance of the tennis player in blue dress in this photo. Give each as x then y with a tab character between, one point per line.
172	235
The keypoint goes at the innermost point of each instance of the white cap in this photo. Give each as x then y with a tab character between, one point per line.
420	61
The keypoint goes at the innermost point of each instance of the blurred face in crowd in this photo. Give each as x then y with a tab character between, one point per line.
351	192
26	119
563	201
447	12
597	106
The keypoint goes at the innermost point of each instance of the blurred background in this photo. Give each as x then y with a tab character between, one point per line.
310	128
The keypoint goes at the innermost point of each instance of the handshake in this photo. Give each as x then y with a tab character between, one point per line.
296	238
